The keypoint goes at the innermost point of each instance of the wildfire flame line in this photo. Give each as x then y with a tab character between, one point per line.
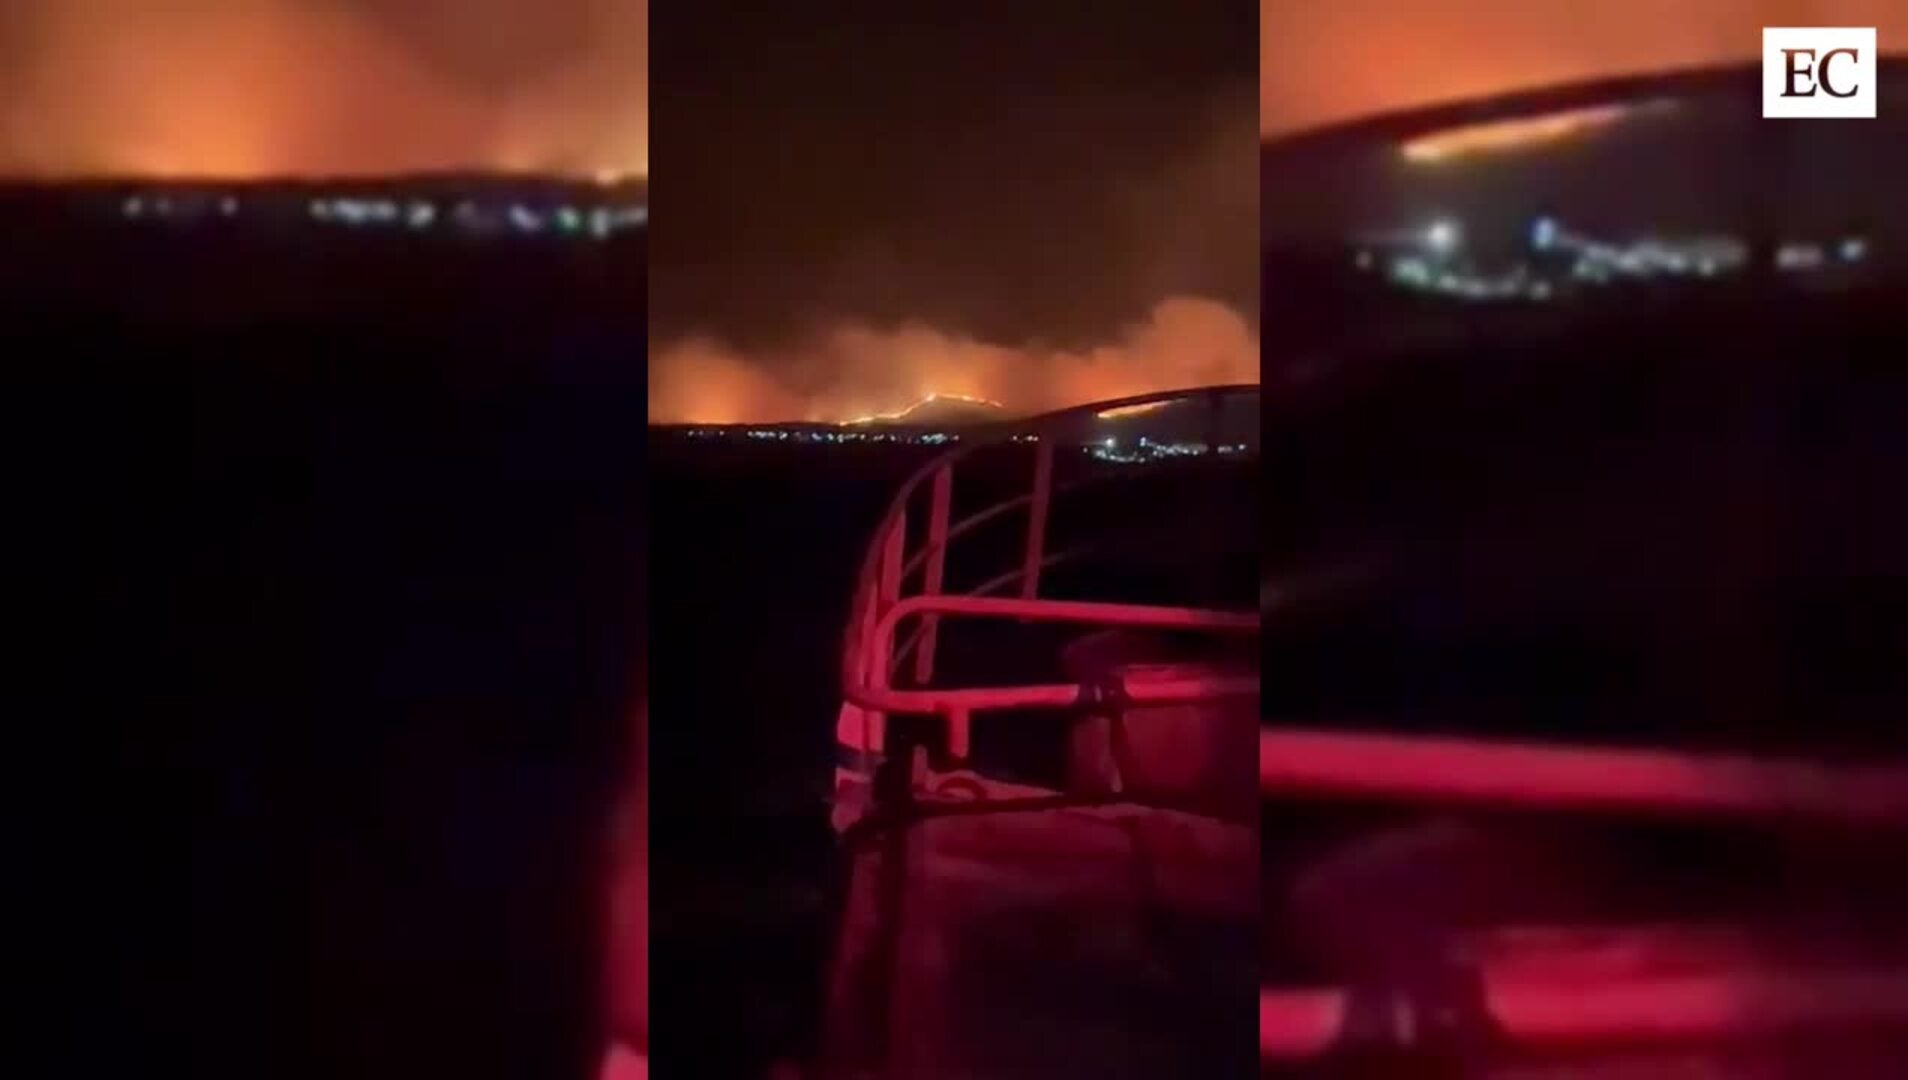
1131	410
1507	135
874	418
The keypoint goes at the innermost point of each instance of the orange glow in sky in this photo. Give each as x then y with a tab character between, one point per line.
1327	61
854	372
255	88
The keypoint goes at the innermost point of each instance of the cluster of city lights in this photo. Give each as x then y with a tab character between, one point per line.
468	216
822	435
1433	259
1113	450
169	207
1143	450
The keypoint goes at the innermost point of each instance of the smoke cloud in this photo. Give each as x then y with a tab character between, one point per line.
1142	275
248	88
856	369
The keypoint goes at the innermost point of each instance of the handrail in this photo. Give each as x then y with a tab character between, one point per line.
975	520
1318	763
1746	1001
622	1063
885	700
985	588
1070	611
870	576
1049	696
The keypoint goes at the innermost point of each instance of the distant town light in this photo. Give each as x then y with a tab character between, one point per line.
1442	236
1799	257
525	219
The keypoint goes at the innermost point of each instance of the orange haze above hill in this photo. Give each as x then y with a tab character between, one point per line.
1325	61
856	371
258	88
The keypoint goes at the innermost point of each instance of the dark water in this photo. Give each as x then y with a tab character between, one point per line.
1679	528
754	557
325	606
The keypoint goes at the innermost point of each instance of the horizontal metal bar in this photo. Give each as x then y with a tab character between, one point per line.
1071	611
1299	1025
1316	763
622	1063
1053	696
1002	433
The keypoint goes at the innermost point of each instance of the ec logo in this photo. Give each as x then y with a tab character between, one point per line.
1818	72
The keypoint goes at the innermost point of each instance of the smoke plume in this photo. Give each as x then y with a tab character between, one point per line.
855	369
1140	275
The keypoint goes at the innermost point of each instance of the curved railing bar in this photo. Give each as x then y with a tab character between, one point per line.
986	588
887	700
992	585
981	517
981	438
1661	1009
1295	763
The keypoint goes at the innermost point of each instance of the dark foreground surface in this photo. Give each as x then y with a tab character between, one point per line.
755	552
1678	525
325	588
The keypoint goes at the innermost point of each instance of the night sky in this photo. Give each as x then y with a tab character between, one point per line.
1035	177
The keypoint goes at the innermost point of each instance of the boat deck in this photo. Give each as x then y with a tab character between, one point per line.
1081	941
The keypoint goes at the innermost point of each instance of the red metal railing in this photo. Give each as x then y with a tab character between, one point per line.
874	653
1301	1025
1331	764
1726	1003
1298	1024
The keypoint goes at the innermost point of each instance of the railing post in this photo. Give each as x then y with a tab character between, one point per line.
881	645
943	499
1036	553
891	561
960	734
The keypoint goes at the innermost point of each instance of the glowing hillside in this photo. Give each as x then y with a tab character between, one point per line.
943	409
